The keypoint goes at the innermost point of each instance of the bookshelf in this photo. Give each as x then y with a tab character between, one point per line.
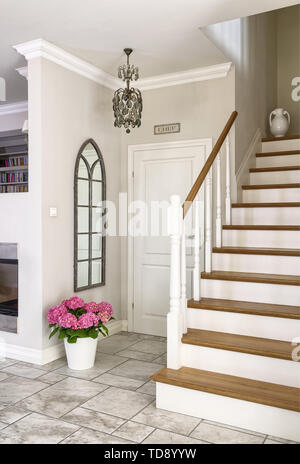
13	162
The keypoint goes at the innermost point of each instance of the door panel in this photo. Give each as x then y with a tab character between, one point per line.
158	174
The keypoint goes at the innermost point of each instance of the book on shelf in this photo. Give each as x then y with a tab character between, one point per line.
13	188
13	177
14	161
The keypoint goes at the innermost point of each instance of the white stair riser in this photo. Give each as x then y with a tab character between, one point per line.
234	412
262	238
281	145
274	215
262	368
272	161
275	177
251	325
251	291
271	195
267	264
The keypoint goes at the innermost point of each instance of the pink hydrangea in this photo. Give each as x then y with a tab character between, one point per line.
68	321
74	303
87	320
107	307
91	307
55	313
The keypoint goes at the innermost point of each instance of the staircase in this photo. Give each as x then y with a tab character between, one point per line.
234	348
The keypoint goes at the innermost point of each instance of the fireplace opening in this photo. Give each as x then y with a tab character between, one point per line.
8	287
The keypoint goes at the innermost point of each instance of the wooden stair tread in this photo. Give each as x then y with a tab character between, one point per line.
278	279
258	251
278	153
282	204
246	307
231	386
240	343
276	168
275	139
270	186
260	227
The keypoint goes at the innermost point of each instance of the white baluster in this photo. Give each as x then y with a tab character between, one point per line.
174	317
196	270
218	204
228	192
208	221
183	279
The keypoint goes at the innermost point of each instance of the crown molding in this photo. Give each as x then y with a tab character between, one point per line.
23	71
10	108
185	77
42	48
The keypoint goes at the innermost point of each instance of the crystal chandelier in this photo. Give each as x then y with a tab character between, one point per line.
127	103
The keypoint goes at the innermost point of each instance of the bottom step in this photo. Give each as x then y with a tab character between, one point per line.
239	402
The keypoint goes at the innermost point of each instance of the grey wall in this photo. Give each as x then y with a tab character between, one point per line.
288	64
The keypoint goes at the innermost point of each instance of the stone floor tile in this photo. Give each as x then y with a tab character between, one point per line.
221	435
133	431
171	421
90	437
93	420
118	381
118	402
159	437
135	369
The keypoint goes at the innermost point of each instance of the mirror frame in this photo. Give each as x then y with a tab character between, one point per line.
80	157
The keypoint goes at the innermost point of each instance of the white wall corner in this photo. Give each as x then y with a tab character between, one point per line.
23	71
10	108
248	161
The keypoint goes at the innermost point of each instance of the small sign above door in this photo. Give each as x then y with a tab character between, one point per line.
167	128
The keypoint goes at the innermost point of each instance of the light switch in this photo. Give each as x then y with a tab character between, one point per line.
53	212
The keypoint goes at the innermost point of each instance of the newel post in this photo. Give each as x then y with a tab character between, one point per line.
174	317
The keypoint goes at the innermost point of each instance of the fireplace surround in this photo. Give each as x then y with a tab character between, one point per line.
8	286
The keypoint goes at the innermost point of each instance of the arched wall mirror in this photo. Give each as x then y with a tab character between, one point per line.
89	238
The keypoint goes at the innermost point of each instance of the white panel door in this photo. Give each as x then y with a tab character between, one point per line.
159	173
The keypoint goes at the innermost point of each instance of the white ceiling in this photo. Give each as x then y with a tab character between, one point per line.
164	34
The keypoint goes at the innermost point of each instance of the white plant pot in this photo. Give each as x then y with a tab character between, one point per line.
279	121
81	355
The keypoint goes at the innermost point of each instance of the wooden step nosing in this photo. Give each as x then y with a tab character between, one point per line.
282	204
232	390
236	349
278	153
261	227
278	139
239	343
275	169
270	186
257	251
247	308
239	277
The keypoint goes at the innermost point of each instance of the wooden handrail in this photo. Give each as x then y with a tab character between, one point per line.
200	179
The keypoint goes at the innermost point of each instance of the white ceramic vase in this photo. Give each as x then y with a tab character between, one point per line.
279	122
81	355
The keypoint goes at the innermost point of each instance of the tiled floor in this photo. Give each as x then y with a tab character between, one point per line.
114	402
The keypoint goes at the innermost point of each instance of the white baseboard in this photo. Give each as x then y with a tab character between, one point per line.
248	161
31	355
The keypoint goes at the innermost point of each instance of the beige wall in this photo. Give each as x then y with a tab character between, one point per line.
251	44
288	65
202	108
74	109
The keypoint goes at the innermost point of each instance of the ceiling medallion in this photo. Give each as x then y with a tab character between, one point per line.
128	103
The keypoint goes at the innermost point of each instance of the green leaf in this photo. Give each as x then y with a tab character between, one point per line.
72	339
53	332
62	334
